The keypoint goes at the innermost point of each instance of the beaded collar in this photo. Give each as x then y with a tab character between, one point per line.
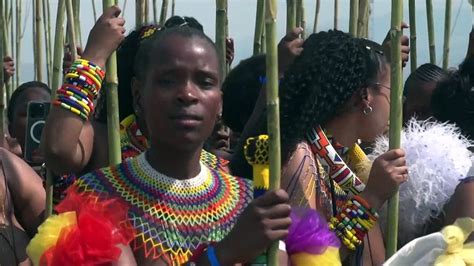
172	217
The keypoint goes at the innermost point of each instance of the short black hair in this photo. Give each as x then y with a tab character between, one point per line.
241	89
19	91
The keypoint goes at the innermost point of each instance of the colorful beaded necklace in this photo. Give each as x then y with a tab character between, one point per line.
327	152
172	217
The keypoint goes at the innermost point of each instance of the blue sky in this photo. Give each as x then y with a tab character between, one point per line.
242	21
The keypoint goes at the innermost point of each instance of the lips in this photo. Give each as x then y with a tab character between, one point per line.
187	120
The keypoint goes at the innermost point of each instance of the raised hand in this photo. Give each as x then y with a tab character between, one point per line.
289	48
105	36
8	68
405	46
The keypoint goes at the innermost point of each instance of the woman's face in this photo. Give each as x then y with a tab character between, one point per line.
181	97
375	122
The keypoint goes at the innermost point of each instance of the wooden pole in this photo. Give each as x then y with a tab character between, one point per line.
47	43
395	116
336	14
316	16
12	84
447	34
55	83
273	115
145	14
139	13
413	60
94	10
363	19
303	19
431	33
164	12
71	28
18	38
8	50
221	19
290	15
38	40
76	7
299	14
259	26
173	5
353	17
2	87
113	121
155	12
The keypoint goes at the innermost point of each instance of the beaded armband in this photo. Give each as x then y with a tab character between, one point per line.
81	87
353	222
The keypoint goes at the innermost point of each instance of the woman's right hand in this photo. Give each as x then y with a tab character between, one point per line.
264	221
105	36
388	171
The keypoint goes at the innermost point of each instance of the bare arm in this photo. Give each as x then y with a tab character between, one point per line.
67	141
27	192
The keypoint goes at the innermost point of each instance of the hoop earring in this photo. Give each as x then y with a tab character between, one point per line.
368	110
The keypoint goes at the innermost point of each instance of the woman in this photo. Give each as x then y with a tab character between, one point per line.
178	207
338	85
22	195
84	148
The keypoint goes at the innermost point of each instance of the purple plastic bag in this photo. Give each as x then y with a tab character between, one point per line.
309	233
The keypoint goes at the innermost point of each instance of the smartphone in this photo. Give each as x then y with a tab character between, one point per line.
37	113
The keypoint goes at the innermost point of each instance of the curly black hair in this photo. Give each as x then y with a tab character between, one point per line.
127	54
453	98
19	91
332	67
240	90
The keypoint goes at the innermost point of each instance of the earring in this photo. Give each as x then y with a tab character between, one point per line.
219	116
368	110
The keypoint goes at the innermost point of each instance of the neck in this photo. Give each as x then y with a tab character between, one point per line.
179	164
342	130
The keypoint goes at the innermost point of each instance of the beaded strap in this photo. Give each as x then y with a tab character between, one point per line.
82	84
353	222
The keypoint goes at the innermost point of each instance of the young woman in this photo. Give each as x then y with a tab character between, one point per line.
177	206
84	148
335	93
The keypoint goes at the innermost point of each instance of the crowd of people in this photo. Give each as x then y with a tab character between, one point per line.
187	192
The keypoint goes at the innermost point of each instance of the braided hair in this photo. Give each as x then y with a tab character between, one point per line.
453	98
127	54
424	74
332	67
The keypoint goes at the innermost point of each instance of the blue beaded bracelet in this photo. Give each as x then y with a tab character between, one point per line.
211	256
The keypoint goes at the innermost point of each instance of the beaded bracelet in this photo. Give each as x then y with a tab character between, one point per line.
82	84
353	222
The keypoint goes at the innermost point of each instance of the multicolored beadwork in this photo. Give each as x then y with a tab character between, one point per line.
172	217
134	143
332	161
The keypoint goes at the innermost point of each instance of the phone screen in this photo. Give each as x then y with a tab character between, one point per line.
36	118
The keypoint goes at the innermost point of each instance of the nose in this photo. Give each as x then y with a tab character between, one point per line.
187	95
